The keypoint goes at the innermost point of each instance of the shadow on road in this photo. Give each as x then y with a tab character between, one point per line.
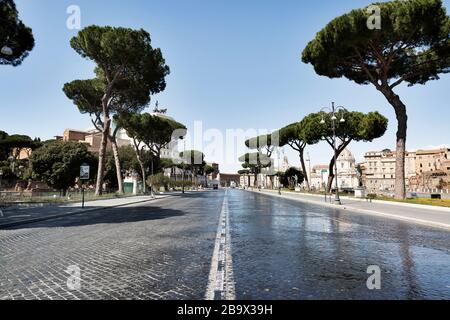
106	216
13	217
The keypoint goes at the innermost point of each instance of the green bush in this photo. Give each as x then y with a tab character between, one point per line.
158	181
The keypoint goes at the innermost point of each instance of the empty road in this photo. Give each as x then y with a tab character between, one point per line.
227	244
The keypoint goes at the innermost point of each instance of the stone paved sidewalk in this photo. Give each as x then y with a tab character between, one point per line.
18	216
421	214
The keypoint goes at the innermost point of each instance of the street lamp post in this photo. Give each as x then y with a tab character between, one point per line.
333	113
152	194
184	168
308	174
1	177
279	173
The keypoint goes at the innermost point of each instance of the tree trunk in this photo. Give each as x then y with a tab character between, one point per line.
331	176
302	162
332	173
102	155
118	165
402	126
144	178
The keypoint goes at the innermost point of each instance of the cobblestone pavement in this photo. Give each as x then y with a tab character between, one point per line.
285	249
156	250
17	215
270	248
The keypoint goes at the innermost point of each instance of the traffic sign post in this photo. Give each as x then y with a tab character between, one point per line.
84	176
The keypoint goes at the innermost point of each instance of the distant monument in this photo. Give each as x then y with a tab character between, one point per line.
285	165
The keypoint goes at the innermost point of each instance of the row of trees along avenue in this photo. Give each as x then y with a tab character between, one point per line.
315	127
411	45
128	71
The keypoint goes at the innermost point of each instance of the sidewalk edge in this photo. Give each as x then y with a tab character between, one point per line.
363	211
73	213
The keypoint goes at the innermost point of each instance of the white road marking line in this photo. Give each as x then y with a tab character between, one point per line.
221	279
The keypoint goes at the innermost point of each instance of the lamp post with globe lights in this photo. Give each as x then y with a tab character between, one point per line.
333	113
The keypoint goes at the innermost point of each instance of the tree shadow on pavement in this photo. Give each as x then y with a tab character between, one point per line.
105	216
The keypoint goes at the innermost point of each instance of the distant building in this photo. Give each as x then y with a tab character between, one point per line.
425	170
228	180
432	170
347	173
92	138
319	177
379	170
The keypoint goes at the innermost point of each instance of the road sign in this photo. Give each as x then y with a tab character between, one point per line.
84	172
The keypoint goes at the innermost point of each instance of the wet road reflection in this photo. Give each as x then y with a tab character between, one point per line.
284	249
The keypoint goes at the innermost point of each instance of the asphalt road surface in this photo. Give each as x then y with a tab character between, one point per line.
228	244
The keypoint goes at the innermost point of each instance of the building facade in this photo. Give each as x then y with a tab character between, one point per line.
425	170
346	172
432	170
319	177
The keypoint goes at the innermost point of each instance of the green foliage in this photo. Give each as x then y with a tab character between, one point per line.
255	160
244	172
194	160
128	71
208	170
124	56
10	149
159	181
194	157
4	149
153	131
167	163
357	127
14	34
3	135
291	177
128	163
264	141
19	142
7	172
58	163
291	135
412	45
86	95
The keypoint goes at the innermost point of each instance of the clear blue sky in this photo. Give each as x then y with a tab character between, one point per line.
234	64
